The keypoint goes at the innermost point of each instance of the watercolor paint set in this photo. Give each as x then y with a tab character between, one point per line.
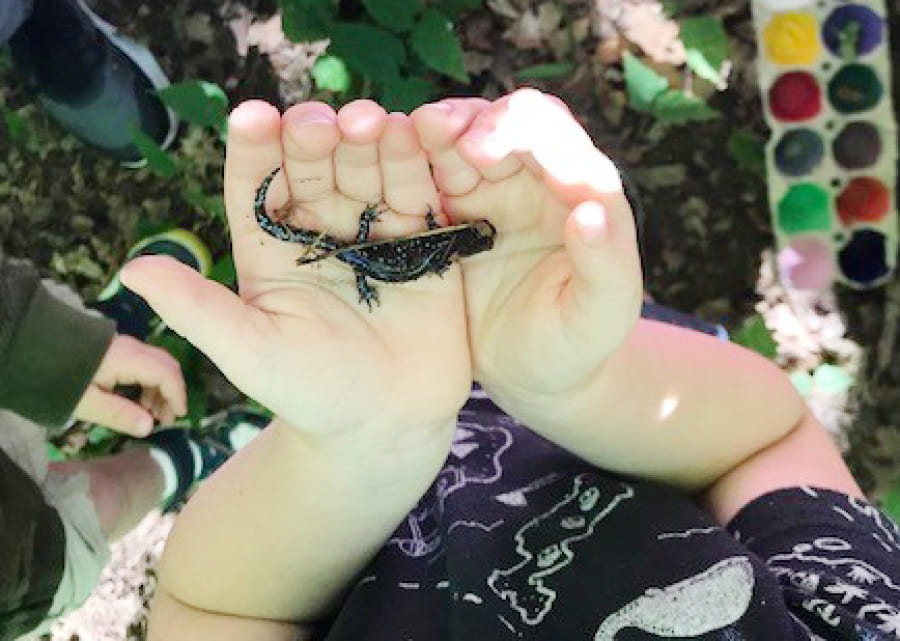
825	79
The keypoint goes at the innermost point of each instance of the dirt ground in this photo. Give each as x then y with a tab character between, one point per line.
74	213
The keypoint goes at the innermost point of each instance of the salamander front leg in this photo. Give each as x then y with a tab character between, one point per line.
429	219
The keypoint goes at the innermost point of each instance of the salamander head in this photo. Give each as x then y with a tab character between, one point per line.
480	237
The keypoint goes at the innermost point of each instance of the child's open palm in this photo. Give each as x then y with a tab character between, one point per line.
298	339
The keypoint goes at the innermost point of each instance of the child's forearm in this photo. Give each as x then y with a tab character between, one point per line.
805	456
283	528
672	405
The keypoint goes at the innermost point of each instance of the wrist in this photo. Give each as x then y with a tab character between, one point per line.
670	405
326	508
377	456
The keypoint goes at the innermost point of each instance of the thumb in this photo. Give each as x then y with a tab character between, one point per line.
603	296
113	411
206	313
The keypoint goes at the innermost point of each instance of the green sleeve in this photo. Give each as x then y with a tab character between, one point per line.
49	351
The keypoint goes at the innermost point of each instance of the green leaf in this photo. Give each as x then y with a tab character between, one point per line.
747	151
305	20
331	74
20	131
702	68
831	379
405	94
198	398
546	71
396	15
16	128
754	334
803	381
211	204
54	454
891	502
98	434
101	441
370	50
455	7
223	271
642	83
158	161
149	226
672	8
189	359
437	46
197	102
676	107
706	36
181	350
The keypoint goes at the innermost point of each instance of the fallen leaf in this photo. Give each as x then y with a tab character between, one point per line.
504	8
267	36
532	29
646	25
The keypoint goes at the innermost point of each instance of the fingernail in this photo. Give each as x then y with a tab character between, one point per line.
592	223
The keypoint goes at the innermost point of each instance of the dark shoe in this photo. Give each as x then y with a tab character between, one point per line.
221	435
194	454
96	83
133	316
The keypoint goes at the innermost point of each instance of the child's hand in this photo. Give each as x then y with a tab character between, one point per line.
561	289
297	339
131	362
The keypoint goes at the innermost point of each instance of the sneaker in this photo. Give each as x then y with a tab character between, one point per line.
95	82
188	456
133	316
221	435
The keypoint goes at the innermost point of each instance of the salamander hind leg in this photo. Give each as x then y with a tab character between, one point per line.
367	293
368	216
306	259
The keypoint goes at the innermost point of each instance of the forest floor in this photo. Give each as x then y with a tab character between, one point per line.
74	212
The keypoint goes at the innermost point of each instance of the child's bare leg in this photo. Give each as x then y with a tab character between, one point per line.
123	488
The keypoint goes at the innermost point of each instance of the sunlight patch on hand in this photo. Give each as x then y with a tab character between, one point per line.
534	123
667	408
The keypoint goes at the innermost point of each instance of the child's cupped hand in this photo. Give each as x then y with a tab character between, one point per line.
562	287
297	338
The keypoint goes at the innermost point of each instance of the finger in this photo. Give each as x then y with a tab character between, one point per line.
254	150
150	401
439	125
407	183
157	405
482	147
310	135
204	312
606	285
132	362
569	162
113	411
357	173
